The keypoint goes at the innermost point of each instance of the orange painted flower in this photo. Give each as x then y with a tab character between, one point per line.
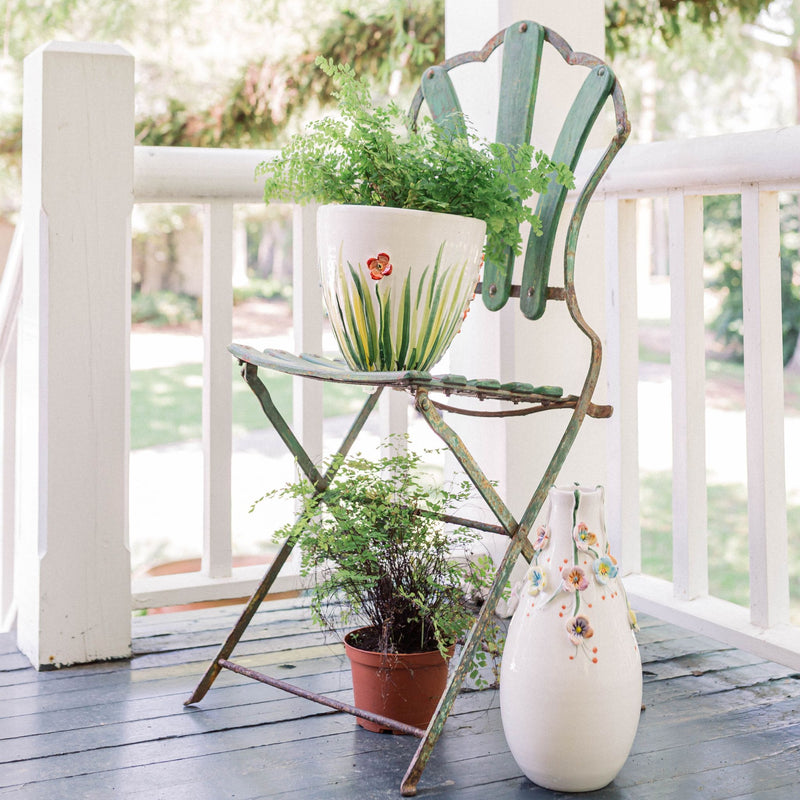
379	267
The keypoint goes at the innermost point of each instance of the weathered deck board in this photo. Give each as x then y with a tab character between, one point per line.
720	724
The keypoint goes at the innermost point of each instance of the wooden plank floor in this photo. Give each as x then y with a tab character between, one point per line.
719	723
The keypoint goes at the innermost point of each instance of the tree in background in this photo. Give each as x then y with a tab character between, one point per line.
723	251
716	69
634	24
256	63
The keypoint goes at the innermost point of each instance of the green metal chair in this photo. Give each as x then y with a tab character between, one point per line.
523	44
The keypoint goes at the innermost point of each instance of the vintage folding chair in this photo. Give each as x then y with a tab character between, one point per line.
523	45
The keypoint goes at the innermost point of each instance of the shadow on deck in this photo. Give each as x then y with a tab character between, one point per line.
719	723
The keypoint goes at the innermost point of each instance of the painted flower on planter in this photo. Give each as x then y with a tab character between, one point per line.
542	538
579	629
604	569
574	579
538	578
583	537
379	267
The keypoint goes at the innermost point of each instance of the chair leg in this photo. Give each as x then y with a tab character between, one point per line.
241	625
408	786
320	484
519	545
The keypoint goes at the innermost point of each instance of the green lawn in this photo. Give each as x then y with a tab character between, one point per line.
728	557
166	403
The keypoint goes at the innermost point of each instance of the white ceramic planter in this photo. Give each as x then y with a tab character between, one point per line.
396	282
571	675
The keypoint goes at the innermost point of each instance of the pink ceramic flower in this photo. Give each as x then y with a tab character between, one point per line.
583	537
379	267
574	579
542	538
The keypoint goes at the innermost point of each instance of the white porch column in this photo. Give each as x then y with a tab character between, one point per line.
73	565
505	344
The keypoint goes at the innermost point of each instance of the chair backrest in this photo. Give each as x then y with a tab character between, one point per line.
522	54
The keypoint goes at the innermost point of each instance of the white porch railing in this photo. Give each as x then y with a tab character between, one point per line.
218	179
80	190
756	166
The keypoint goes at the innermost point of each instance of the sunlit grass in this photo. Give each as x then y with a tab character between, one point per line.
728	556
166	403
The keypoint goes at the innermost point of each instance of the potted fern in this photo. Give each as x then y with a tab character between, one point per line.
403	220
381	559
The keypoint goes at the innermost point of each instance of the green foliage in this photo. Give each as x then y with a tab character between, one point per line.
164	308
374	543
723	222
631	23
262	289
392	42
370	155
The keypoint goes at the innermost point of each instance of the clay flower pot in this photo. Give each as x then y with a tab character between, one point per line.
397	282
404	687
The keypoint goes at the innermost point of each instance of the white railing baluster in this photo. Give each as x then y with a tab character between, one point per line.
622	371
307	320
763	385
74	326
217	389
687	355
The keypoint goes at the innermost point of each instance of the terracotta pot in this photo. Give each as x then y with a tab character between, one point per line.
404	687
397	282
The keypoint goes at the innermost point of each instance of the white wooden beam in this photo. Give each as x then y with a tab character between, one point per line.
73	565
720	619
193	587
198	174
8	469
687	357
622	372
217	388
307	318
10	298
764	406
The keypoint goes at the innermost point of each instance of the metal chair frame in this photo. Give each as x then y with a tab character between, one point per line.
526	40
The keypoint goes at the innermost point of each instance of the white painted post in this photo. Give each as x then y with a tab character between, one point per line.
622	370
504	344
10	296
687	357
307	320
73	564
393	419
764	404
8	460
217	388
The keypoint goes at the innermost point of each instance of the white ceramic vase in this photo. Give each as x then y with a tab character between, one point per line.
397	282
571	674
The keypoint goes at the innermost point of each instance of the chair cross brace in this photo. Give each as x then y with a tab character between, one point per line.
508	526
